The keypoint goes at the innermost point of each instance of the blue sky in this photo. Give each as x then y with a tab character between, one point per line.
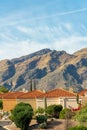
27	26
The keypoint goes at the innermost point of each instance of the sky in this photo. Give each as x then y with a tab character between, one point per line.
27	26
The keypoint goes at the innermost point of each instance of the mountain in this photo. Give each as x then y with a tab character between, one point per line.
46	69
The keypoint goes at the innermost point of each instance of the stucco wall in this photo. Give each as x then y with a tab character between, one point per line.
9	104
50	101
65	102
32	102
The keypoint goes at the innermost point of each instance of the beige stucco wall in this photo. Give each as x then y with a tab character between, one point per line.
50	101
65	102
9	104
70	102
32	102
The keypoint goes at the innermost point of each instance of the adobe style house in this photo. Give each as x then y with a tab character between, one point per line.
30	97
9	100
36	99
58	96
83	95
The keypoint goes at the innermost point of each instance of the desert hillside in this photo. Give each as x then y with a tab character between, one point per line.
46	69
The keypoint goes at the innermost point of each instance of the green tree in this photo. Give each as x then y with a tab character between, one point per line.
3	89
22	115
1	104
54	110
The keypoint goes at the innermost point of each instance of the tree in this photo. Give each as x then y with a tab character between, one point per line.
1	104
3	89
22	115
54	110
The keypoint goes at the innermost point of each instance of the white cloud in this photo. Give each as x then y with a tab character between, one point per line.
13	50
58	37
71	43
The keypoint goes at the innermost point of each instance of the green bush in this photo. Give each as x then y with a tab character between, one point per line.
39	111
65	113
42	125
41	118
3	89
78	128
22	115
54	110
81	116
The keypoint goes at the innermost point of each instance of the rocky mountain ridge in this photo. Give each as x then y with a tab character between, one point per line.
46	69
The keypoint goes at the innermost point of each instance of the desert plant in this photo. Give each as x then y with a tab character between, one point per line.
41	119
22	115
54	110
42	125
39	111
65	113
81	115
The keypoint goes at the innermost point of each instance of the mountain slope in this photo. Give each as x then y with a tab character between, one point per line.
45	69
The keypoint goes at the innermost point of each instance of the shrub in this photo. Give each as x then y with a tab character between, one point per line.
41	118
78	128
42	125
54	110
81	116
39	111
3	89
22	115
65	113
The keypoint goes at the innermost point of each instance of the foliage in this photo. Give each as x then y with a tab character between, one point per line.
42	125
11	117
78	128
81	116
1	104
64	113
41	118
5	113
3	89
54	110
39	111
22	115
77	98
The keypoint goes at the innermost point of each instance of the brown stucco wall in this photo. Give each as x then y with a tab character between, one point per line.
9	104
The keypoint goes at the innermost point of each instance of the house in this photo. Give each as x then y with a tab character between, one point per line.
10	100
83	94
58	96
29	97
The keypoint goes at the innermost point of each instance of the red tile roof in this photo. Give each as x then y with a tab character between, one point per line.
82	93
32	94
5	94
11	95
57	93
